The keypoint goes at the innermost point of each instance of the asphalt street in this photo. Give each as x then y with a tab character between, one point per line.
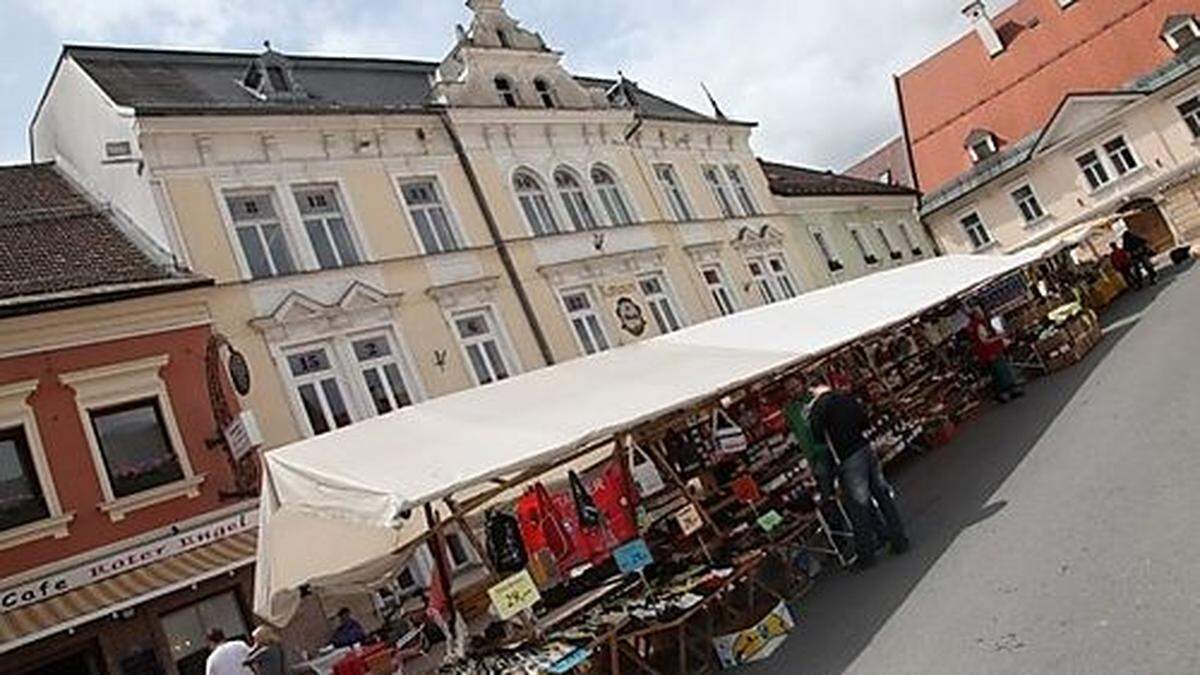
1058	534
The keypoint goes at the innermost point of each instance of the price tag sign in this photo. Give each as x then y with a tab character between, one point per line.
514	595
689	519
770	520
633	557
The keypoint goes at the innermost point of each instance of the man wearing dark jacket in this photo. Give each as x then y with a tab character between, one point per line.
1141	254
842	420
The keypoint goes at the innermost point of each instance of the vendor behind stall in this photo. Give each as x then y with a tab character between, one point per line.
349	631
989	347
842	420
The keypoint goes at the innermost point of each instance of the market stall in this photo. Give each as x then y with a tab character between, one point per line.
647	485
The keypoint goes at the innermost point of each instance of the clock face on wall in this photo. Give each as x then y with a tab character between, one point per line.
629	313
239	372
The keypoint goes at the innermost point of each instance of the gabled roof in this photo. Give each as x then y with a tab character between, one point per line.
1080	111
180	82
890	158
787	180
57	248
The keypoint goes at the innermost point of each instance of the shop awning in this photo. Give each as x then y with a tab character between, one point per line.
336	508
98	600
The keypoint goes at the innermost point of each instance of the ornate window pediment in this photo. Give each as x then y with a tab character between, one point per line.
299	310
760	238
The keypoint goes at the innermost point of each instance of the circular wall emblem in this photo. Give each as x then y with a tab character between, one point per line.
239	372
629	313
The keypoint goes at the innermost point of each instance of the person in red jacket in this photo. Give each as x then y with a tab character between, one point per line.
1123	264
989	347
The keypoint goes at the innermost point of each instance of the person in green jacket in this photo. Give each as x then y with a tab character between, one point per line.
816	451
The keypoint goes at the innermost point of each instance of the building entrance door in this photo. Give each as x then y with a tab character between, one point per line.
86	661
1147	221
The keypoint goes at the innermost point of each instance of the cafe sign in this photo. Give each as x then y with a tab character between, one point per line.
113	564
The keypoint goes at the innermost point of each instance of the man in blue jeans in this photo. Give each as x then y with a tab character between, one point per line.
842	420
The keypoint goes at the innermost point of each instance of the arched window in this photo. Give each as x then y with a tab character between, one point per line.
534	203
611	197
544	93
505	90
574	199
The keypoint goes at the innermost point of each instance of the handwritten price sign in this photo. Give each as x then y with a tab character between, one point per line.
514	595
689	519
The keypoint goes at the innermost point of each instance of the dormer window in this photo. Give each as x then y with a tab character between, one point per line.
278	78
544	93
981	145
1180	31
270	77
253	77
503	37
504	89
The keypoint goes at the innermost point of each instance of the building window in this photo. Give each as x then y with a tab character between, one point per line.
1121	155
893	252
381	373
742	190
1093	170
1181	32
545	95
478	337
885	177
136	449
720	189
673	189
186	629
910	240
321	211
435	227
977	233
504	89
584	320
826	250
758	272
981	145
783	276
611	196
714	279
1027	203
534	204
21	498
261	235
864	249
575	200
654	287
319	391
1190	110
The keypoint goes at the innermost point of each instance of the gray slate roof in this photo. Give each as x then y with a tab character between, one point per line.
165	82
53	240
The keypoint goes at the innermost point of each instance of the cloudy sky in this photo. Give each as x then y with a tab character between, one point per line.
816	74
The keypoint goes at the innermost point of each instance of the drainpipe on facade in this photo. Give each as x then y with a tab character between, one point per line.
510	269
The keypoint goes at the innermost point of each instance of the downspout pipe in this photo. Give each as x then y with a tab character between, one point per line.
510	268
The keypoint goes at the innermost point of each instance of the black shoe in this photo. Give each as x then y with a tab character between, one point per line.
1018	393
900	546
863	563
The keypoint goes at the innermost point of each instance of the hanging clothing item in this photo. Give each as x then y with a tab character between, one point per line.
505	547
542	524
585	508
617	500
587	543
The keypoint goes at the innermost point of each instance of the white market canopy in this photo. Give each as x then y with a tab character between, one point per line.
333	509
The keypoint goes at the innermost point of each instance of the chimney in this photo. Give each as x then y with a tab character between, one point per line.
977	13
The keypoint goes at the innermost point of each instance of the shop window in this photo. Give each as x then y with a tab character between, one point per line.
714	279
435	228
1028	204
324	221
672	188
611	197
381	373
320	394
534	203
720	189
662	306
575	200
1190	111
260	234
742	190
478	336
977	233
1093	170
585	321
186	630
135	447
21	498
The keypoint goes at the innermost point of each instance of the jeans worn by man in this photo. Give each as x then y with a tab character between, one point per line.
842	420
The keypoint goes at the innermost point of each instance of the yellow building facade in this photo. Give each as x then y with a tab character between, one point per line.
382	232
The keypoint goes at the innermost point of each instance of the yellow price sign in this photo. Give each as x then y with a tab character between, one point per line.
514	595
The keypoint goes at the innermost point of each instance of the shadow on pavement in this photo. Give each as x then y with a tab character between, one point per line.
942	494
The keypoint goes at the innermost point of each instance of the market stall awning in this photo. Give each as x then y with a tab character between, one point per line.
338	506
97	600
